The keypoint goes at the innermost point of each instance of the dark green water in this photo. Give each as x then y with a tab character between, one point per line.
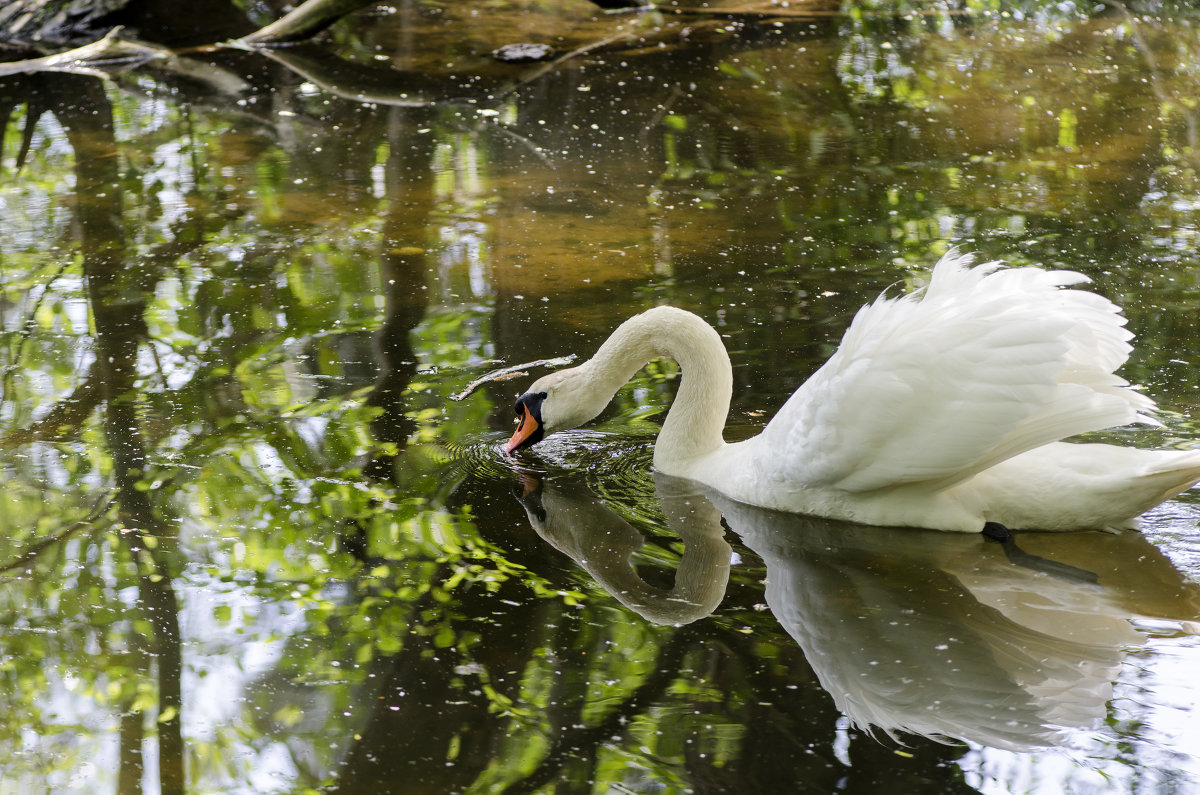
250	545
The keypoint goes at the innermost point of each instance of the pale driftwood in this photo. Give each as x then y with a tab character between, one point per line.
515	371
87	59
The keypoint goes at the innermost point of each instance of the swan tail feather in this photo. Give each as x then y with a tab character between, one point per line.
984	363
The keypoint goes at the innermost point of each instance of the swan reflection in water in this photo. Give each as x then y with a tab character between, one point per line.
937	634
578	523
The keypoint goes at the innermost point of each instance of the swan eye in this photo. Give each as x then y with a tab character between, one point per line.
532	401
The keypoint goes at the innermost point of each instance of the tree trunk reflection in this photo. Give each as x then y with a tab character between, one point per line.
116	291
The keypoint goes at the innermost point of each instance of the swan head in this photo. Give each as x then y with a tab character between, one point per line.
555	402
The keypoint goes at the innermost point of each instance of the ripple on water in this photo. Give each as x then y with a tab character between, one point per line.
617	467
1172	527
613	462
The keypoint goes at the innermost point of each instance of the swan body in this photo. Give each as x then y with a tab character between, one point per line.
943	408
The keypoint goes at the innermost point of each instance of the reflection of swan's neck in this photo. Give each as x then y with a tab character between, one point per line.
580	525
697	416
700	580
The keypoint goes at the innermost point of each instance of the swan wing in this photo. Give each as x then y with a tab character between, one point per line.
935	386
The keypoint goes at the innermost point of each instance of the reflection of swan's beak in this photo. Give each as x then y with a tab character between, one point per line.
529	493
529	484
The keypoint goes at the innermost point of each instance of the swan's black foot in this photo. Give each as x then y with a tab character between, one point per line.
997	532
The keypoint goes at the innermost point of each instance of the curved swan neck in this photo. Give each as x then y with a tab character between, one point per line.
697	416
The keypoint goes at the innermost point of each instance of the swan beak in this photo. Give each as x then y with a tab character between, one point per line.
527	429
529	432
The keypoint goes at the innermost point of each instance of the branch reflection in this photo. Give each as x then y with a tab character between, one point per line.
946	636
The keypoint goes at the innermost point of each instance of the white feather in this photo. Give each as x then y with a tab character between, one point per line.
937	386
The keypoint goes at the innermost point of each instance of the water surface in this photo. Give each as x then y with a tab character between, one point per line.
250	544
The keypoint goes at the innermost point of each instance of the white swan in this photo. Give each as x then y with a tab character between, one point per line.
941	409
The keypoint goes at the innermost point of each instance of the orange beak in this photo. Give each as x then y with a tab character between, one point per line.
528	427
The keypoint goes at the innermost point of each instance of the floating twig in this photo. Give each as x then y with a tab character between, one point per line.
515	371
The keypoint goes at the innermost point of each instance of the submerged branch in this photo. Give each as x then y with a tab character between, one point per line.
575	53
771	10
364	83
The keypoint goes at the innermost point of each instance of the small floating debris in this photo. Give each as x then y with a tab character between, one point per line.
523	53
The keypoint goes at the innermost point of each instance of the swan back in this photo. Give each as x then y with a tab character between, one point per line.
936	386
